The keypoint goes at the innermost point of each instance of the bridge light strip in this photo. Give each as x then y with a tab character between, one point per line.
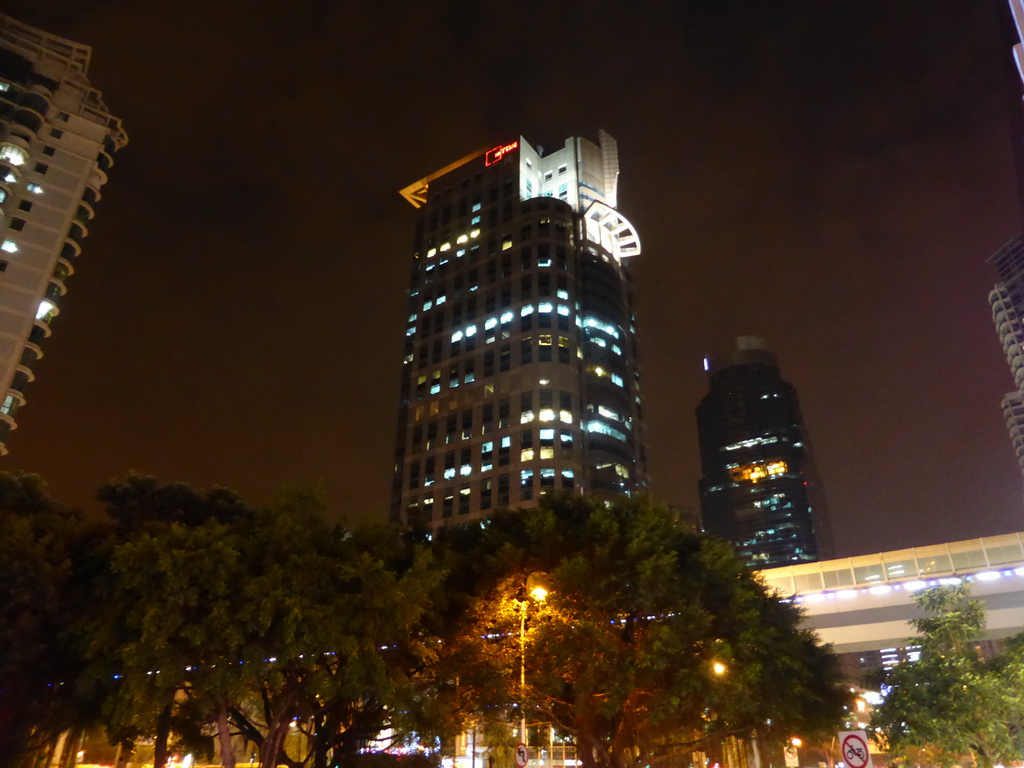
908	586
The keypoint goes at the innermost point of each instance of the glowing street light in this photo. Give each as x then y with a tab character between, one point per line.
719	668
536	589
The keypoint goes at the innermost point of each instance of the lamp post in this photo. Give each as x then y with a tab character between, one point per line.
534	589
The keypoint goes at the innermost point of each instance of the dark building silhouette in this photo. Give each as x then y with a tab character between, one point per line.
759	488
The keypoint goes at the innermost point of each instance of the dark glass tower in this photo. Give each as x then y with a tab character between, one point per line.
520	374
759	488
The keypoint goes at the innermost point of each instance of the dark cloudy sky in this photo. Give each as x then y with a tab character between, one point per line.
828	175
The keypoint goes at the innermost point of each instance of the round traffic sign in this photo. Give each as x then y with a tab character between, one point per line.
855	751
522	755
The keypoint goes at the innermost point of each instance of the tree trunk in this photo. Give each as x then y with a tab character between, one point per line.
163	732
319	742
227	750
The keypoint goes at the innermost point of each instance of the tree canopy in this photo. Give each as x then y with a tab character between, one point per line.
191	616
952	703
622	652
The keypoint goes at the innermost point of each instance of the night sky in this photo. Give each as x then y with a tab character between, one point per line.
828	175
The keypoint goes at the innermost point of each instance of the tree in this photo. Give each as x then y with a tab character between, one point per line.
951	702
45	578
622	654
165	605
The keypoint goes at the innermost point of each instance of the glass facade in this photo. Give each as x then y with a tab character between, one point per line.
519	366
759	489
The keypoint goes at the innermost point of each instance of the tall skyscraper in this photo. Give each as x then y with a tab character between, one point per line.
56	142
759	490
520	368
1007	300
1007	297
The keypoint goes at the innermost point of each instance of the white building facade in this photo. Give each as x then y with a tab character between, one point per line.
57	138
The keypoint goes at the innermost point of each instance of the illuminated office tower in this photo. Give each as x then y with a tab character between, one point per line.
759	488
520	374
56	142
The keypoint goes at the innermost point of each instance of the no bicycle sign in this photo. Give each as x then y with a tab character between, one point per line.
854	748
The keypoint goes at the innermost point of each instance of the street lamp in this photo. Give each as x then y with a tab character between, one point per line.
535	589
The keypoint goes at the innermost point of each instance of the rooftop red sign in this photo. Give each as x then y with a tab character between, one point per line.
494	155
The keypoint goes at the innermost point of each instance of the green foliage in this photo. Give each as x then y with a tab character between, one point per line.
621	653
951	703
45	575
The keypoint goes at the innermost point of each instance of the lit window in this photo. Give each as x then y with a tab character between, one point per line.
527	310
546	307
565	417
565	437
506	317
427	304
490	323
526	417
526	454
563	294
547	414
475	220
563	310
471	330
446	247
10	177
475	208
410	331
449	473
441	300
526	476
10	246
12	154
474	233
457	336
431	252
466	469
46	309
603	429
547	452
435	389
462	239
506	442
3	195
617	380
506	244
547	434
5	86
